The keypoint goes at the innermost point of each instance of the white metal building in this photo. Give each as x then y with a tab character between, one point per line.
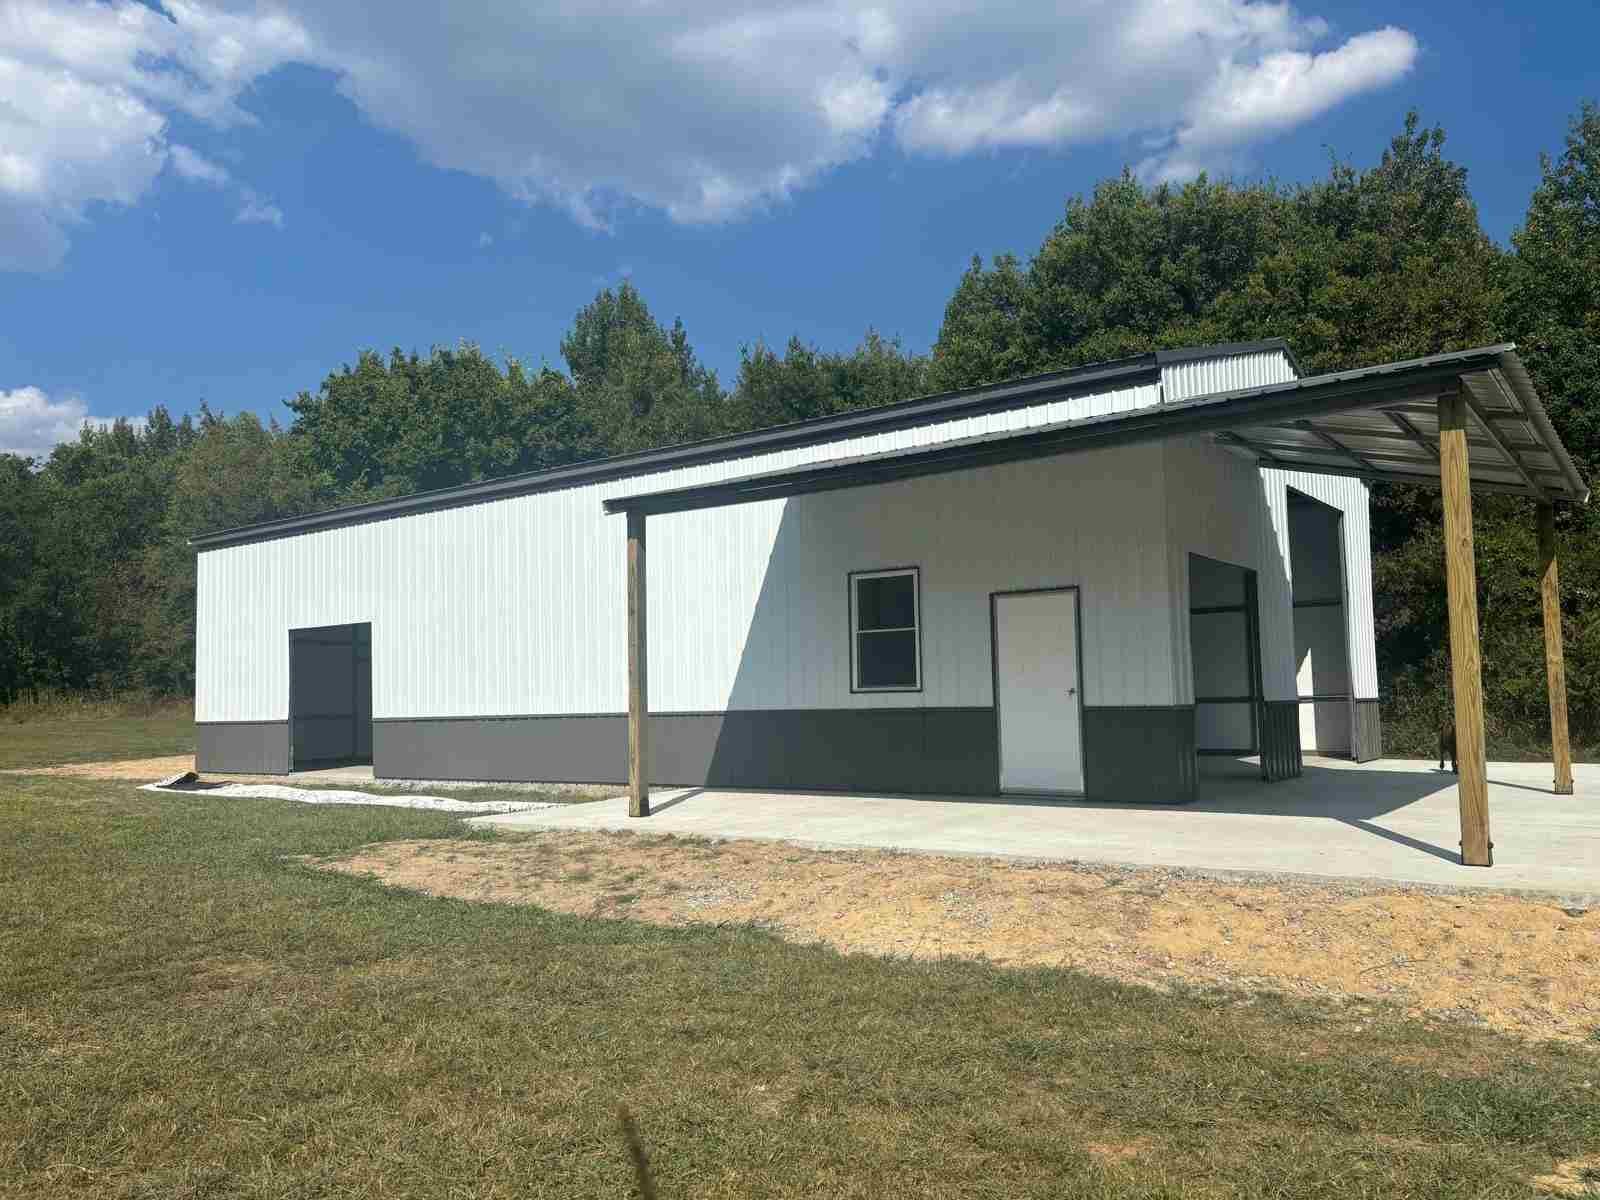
1069	584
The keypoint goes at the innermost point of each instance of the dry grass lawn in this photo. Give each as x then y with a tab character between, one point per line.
134	770
1512	964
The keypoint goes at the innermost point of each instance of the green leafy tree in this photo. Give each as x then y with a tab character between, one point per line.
984	337
1554	293
805	382
1374	266
83	521
638	384
384	428
235	472
20	516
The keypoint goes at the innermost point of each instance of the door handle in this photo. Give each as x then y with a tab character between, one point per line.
1072	691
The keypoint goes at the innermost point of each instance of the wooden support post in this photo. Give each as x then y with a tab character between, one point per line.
1466	671
1555	663
638	684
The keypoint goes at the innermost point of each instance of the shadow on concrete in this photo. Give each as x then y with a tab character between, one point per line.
1351	796
1358	793
661	806
1400	839
1525	787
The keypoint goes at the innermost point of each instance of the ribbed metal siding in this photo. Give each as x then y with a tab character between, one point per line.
1350	497
1222	506
514	606
1184	381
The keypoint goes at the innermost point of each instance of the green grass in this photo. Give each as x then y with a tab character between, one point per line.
32	736
186	1013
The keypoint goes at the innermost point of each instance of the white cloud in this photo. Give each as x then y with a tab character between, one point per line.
1285	89
31	423
485	240
703	110
87	92
256	211
192	166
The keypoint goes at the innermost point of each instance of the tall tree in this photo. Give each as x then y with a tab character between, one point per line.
1374	265
237	471
806	382
1554	295
21	508
637	383
408	423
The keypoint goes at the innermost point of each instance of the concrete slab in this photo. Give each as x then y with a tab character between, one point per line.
1392	821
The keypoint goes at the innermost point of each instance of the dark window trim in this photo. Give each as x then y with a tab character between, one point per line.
850	601
850	616
994	687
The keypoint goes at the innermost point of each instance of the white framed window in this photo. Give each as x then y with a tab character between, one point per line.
886	630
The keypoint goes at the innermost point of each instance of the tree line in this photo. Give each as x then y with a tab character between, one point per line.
1364	265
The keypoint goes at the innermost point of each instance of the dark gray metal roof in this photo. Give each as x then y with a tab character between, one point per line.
1330	424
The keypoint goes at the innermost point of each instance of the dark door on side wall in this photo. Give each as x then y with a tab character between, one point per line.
330	696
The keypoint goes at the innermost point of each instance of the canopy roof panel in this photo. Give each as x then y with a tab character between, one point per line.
1510	443
1378	423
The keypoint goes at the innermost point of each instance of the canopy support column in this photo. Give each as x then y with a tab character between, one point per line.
1555	663
638	683
1466	669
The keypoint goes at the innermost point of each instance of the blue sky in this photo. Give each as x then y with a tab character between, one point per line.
224	201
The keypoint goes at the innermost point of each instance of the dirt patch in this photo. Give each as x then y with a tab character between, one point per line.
1576	1177
1510	963
143	770
214	979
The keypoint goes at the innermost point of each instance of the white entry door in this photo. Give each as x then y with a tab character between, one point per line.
1036	689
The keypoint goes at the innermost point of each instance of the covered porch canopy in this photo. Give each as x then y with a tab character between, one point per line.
1462	421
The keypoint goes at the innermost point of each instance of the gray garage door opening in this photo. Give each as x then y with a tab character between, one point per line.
1225	646
330	696
1321	650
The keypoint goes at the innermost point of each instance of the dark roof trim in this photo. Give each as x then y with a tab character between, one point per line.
1515	373
899	415
902	414
1285	401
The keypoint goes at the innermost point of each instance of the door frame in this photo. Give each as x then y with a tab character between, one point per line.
994	683
355	722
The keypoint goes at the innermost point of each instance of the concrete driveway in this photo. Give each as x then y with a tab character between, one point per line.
1392	821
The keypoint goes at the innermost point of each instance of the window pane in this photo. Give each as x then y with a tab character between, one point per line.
886	603
885	660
